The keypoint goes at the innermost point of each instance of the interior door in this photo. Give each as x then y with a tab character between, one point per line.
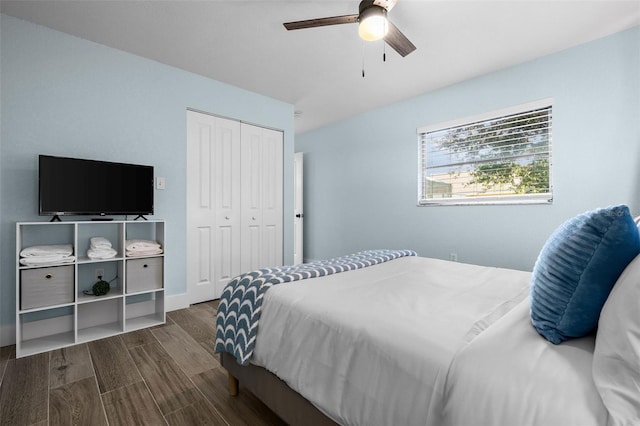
272	198
213	204
298	208
261	197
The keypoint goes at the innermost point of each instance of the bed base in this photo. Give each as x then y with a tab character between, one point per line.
289	405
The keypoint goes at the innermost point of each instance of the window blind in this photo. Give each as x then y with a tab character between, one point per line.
504	158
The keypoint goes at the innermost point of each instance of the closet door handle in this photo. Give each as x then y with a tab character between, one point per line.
300	215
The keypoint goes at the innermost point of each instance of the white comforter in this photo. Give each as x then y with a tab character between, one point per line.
373	346
509	375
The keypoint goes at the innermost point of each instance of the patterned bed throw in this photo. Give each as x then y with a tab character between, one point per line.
241	301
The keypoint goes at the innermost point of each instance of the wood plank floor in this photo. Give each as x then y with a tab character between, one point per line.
165	375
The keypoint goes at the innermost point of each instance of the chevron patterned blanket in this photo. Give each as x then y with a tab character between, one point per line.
241	301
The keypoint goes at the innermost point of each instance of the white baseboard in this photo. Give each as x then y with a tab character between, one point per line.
176	301
8	335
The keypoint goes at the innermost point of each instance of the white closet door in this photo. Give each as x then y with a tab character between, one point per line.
228	207
261	194
272	166
213	204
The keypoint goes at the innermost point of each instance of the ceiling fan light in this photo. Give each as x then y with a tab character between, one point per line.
373	23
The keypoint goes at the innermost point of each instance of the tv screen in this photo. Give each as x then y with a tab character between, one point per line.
74	186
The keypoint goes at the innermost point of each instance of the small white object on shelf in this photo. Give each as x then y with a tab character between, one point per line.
47	255
101	248
136	248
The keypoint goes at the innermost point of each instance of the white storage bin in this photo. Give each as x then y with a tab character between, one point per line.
144	274
46	287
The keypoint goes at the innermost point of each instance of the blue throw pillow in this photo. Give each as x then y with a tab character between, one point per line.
576	270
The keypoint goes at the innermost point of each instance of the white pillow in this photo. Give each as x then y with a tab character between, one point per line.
616	357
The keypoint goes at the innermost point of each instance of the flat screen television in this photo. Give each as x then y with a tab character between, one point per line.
74	186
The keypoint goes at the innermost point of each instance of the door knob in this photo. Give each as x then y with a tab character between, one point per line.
300	215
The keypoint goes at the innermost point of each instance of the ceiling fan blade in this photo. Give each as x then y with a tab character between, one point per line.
321	22
398	41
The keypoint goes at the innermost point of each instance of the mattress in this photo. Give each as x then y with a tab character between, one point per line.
374	346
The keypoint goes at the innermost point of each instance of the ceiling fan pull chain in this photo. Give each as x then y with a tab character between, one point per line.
363	59
384	42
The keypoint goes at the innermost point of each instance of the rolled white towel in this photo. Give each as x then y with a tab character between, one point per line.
49	250
137	245
100	243
101	253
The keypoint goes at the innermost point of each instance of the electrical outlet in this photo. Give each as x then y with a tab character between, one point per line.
453	256
99	274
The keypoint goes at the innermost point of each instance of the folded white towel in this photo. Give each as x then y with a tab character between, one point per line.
46	260
100	242
147	252
101	253
136	245
101	249
50	250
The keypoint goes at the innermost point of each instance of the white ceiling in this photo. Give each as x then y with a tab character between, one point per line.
318	70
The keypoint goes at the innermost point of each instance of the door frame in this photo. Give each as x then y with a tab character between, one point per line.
298	208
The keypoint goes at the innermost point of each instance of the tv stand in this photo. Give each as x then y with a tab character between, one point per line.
140	217
55	218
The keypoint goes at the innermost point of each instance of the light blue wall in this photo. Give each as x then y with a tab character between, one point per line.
361	174
66	96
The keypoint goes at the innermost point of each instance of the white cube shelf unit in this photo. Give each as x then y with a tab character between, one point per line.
52	307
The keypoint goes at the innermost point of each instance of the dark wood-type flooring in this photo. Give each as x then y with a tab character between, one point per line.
165	375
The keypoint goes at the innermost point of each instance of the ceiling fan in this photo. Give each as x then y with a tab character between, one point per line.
373	24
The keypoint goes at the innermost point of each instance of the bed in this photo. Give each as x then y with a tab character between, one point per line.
400	339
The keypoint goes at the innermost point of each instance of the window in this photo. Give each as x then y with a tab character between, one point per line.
502	157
